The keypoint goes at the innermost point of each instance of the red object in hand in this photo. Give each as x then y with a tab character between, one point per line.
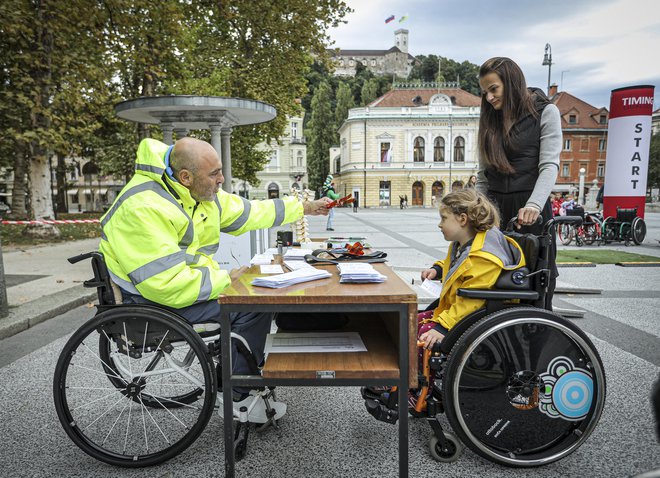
356	249
341	201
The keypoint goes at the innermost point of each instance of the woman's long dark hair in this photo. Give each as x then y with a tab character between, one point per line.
495	125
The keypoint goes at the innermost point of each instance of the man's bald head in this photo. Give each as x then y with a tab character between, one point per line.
197	167
189	153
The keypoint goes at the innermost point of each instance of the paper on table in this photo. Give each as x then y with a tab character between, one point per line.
289	278
271	269
308	342
296	254
260	259
434	287
295	265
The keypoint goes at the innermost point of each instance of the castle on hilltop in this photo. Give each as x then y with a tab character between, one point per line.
395	61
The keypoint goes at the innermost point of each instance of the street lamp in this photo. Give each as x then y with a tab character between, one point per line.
547	60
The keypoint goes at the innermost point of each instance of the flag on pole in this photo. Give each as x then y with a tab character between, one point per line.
403	18
389	19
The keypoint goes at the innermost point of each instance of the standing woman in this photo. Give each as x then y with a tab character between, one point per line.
519	144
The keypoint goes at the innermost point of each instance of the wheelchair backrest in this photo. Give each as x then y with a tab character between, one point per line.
575	211
101	281
529	243
626	214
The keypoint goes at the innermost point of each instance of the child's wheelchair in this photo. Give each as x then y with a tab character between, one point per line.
137	384
520	385
626	227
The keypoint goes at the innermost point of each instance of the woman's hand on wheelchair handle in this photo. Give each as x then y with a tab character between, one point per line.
430	338
429	274
527	216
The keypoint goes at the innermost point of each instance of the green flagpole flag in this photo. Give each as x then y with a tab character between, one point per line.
403	18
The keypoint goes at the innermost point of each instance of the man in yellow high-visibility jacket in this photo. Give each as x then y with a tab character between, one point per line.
159	236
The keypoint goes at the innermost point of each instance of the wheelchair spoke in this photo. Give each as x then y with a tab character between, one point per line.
127	354
103	362
104	413
87	404
165	399
128	426
168	410
154	422
114	424
100	373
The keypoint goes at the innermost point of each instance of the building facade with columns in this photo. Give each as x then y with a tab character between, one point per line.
415	141
287	166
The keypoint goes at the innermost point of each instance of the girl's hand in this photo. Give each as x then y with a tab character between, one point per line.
430	338
527	216
429	274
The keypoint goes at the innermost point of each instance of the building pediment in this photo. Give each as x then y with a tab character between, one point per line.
385	136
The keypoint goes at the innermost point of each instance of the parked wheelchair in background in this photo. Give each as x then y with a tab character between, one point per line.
520	385
589	232
626	227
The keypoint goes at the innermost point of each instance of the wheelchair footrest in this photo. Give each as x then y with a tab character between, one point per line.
380	412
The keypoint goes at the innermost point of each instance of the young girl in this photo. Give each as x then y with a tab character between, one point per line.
477	255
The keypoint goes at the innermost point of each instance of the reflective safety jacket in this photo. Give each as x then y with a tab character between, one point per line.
478	267
159	242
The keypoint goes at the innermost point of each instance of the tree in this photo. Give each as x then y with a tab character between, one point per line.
344	103
53	69
320	133
369	92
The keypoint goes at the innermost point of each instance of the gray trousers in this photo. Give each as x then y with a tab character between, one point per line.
252	326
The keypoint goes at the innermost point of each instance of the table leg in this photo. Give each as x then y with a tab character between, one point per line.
227	400
403	391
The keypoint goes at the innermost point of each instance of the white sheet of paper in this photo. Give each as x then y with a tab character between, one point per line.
271	269
309	342
260	259
295	265
433	287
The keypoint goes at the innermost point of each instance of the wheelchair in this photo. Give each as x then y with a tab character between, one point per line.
137	384
519	385
626	227
589	232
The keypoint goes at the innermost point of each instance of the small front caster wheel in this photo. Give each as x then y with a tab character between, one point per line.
448	454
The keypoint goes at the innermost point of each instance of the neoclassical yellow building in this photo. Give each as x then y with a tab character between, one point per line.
413	141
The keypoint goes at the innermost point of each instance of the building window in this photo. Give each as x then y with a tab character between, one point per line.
294	129
384	193
299	159
437	191
565	170
584	145
602	119
567	145
459	150
418	150
572	119
385	152
351	63
600	170
274	160
439	149
602	144
338	164
273	191
373	62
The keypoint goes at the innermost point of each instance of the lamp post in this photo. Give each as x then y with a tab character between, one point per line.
581	190
547	60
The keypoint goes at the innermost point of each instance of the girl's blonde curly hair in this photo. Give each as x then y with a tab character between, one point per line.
481	212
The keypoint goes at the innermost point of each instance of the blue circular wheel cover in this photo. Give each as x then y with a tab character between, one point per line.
572	394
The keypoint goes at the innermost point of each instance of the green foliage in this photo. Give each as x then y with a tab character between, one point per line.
369	91
653	180
438	68
345	102
320	133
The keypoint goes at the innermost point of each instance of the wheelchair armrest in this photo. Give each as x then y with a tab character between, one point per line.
494	294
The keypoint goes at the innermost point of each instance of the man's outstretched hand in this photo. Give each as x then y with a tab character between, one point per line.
236	273
317	208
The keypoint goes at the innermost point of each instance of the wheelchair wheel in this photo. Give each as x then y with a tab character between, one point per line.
565	233
638	230
449	454
540	398
592	231
124	412
609	231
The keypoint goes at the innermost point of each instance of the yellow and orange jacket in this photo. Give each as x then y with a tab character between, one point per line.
159	242
478	267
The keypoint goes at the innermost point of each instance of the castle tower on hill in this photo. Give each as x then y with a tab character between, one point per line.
395	61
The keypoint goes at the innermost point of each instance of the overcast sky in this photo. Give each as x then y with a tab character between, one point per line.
599	45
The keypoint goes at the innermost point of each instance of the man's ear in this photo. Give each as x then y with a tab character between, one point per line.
185	177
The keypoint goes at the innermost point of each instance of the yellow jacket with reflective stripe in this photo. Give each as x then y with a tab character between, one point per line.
159	242
490	253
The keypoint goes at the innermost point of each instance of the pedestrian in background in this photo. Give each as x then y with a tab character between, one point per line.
520	141
329	192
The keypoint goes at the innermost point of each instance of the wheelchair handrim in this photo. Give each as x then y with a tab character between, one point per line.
592	416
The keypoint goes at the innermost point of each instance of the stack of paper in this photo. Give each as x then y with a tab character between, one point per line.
295	265
359	272
296	254
284	280
261	259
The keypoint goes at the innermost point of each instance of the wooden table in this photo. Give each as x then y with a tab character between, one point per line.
385	314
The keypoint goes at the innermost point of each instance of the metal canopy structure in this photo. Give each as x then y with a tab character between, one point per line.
178	114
